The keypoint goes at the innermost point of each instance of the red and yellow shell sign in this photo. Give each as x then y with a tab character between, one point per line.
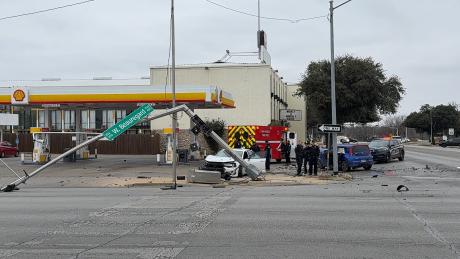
20	96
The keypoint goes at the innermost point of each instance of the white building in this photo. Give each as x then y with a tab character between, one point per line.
258	91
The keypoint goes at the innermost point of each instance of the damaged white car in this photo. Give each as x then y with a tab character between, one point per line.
228	167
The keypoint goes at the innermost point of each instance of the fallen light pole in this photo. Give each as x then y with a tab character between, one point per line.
10	187
200	125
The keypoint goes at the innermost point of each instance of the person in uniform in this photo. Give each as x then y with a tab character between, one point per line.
306	156
299	157
268	155
313	162
287	152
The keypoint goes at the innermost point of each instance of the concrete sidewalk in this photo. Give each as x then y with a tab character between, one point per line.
138	170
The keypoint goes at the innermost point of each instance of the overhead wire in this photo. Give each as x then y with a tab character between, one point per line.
266	17
46	10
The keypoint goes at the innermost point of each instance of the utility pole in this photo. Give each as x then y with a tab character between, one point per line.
333	101
173	82
431	126
258	29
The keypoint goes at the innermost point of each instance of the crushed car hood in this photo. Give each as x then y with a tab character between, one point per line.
219	159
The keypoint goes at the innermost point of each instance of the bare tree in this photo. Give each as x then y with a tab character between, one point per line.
395	122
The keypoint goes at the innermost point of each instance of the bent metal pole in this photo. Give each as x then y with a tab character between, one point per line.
251	170
13	185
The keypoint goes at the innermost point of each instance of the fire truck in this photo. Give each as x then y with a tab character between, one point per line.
247	135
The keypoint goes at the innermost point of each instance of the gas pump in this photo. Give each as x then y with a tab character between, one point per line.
40	152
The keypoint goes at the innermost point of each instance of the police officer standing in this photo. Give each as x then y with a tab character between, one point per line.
313	163
268	155
299	157
287	152
306	156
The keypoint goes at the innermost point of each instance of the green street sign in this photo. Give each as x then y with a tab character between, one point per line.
129	121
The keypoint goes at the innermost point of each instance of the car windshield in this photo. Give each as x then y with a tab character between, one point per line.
223	153
360	150
378	143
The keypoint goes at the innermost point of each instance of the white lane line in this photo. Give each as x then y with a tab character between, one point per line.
431	178
429	228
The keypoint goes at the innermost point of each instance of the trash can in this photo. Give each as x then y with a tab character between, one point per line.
72	157
183	155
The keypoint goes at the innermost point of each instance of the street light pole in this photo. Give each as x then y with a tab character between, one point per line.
431	126
258	30
173	83
333	101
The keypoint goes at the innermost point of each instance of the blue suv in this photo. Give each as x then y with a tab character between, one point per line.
351	156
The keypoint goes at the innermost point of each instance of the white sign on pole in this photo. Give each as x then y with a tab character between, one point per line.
8	119
290	115
451	132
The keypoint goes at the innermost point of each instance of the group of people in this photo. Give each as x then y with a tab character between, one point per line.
308	153
304	154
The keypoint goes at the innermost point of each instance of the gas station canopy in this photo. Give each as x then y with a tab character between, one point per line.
108	96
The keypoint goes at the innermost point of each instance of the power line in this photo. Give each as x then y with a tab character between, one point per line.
265	17
45	10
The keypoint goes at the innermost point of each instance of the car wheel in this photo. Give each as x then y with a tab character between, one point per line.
388	158
2	154
345	167
401	157
367	167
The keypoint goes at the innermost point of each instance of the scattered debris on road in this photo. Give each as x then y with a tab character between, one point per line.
402	188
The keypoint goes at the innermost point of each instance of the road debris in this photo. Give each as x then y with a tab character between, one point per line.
402	188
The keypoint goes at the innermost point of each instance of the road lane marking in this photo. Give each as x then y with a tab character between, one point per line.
429	228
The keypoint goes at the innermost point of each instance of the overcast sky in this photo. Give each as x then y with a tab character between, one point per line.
418	40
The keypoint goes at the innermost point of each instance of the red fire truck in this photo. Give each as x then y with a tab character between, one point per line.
247	135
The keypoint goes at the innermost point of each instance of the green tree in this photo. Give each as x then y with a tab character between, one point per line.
363	91
442	116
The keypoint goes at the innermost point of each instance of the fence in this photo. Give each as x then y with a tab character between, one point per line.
134	144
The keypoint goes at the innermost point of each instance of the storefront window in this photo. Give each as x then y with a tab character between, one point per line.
69	120
108	118
56	120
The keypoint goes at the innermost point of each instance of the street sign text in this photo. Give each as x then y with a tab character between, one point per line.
330	128
126	123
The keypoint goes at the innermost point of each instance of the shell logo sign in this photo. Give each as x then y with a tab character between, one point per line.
20	96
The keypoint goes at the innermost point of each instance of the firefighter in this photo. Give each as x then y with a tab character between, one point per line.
313	163
299	157
268	155
287	151
306	156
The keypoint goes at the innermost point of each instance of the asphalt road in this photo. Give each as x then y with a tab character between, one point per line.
363	218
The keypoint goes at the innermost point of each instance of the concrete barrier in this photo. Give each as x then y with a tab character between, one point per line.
202	176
